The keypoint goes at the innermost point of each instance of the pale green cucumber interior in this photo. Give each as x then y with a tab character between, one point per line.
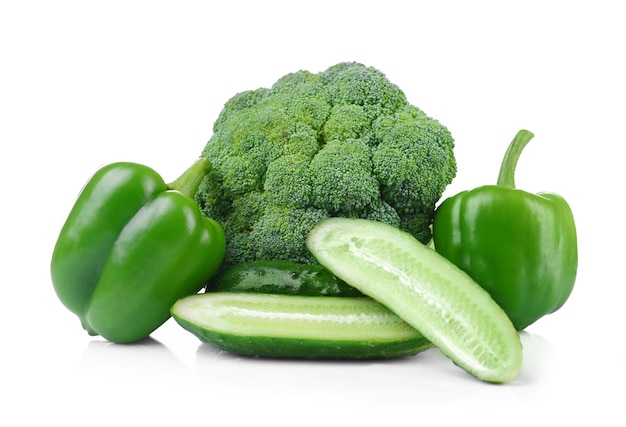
425	290
289	316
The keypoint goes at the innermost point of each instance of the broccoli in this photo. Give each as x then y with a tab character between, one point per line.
342	142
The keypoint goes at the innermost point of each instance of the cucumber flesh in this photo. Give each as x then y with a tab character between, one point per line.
424	289
295	326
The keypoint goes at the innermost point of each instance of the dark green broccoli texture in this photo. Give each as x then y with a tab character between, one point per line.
343	142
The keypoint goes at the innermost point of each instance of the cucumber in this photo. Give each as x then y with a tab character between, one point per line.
425	290
280	277
297	326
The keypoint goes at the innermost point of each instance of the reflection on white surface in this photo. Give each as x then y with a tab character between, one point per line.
429	373
429	381
139	359
188	381
431	366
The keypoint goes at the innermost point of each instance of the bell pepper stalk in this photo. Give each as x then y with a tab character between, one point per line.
133	245
520	247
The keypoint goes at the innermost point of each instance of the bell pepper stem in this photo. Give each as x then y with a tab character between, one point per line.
190	180
506	178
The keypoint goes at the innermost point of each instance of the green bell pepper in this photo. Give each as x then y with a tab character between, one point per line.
131	246
520	247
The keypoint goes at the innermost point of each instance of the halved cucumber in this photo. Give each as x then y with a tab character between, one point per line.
425	289
294	326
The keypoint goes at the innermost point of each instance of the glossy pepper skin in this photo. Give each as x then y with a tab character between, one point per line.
131	246
520	247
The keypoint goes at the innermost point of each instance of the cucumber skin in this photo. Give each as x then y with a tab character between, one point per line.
328	241
303	348
280	277
291	348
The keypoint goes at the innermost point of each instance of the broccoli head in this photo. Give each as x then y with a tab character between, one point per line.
342	142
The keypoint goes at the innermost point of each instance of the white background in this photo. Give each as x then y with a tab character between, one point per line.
85	83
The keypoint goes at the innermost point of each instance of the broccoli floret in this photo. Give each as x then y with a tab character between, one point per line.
281	231
413	160
342	142
344	183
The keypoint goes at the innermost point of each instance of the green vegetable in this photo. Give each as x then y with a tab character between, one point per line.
424	289
342	142
520	247
256	324
131	247
280	277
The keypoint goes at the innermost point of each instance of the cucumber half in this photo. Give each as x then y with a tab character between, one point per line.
425	290
295	326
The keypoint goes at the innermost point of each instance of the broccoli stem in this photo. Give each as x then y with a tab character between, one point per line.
506	178
190	180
